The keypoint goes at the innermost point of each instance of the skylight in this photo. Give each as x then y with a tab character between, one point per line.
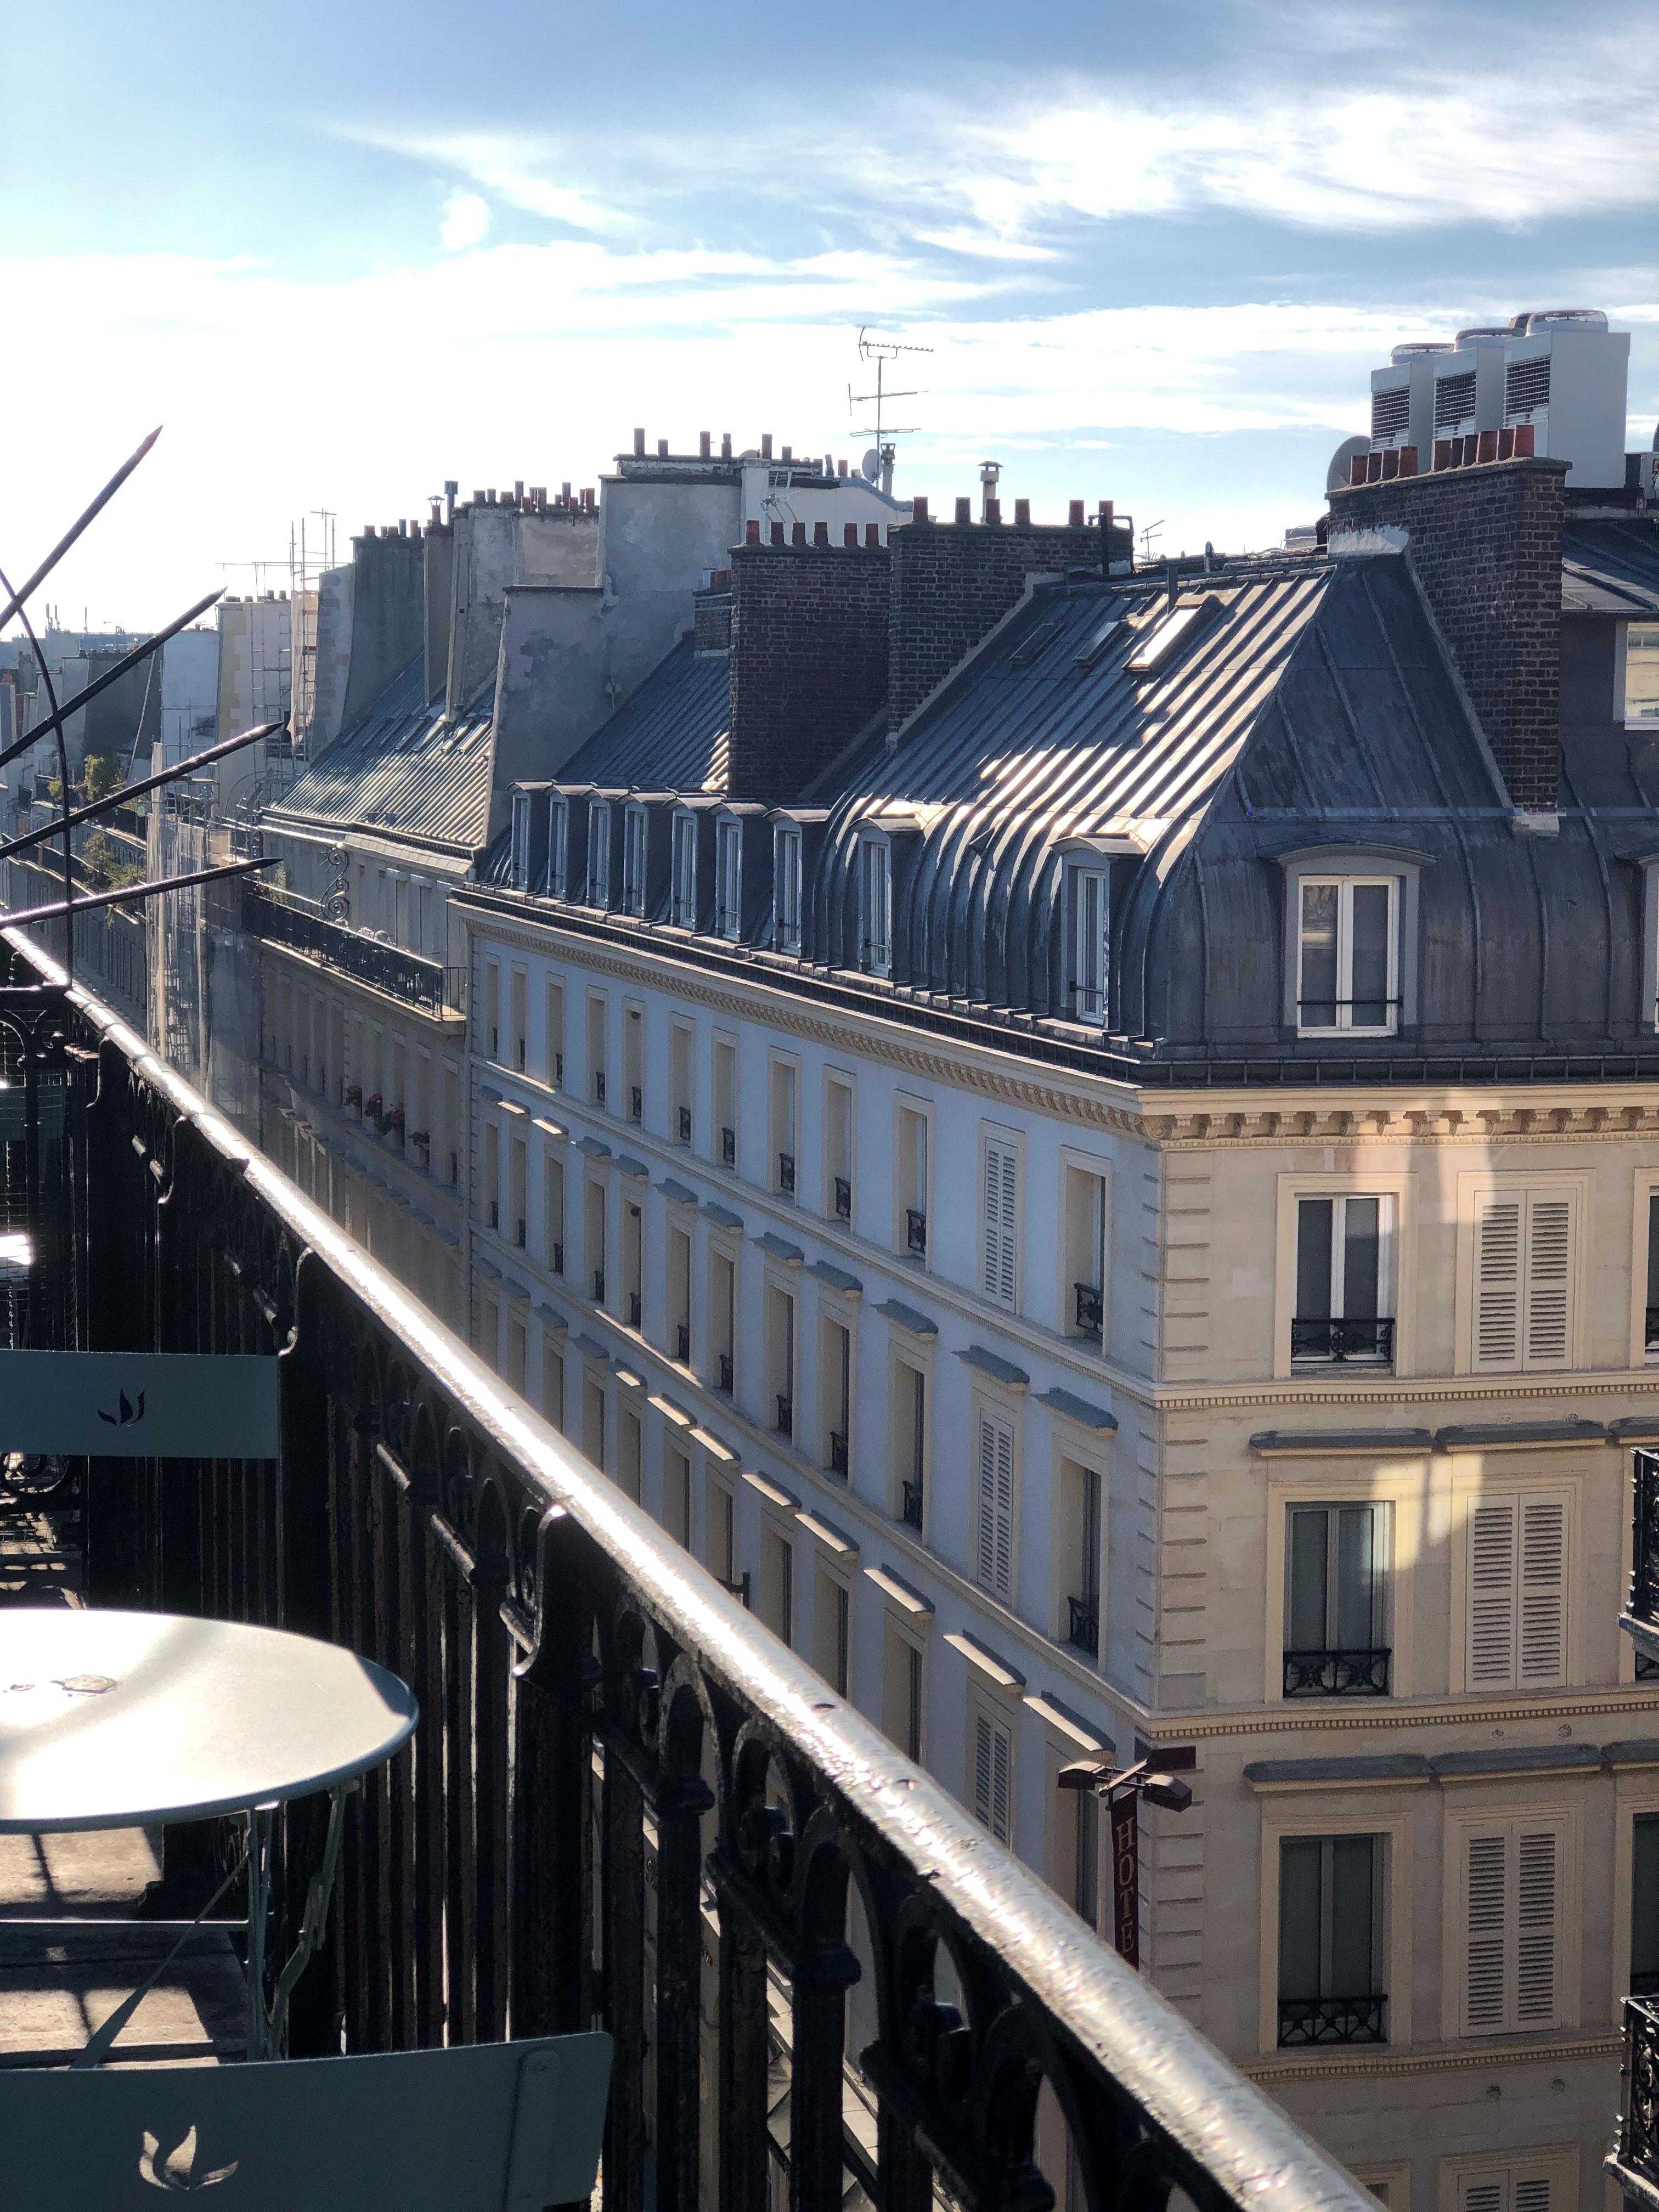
1037	644
1091	651
1172	631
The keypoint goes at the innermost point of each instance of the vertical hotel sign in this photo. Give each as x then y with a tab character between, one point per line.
1123	1809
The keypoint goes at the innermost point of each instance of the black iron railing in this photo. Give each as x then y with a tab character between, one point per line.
728	1148
1305	2020
1644	1553
685	1124
1337	1673
632	1310
843	1198
278	918
910	1502
1085	1625
1324	1338
915	1232
683	1343
723	1372
786	1174
599	1722
1089	1309
838	1452
786	1411
1636	2157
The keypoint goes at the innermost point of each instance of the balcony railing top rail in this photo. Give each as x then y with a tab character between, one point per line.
421	1513
281	918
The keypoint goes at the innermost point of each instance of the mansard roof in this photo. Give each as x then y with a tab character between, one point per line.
406	769
1610	566
669	736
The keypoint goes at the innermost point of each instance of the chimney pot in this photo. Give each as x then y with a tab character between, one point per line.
849	534
1488	446
490	495
1022	513
1074	514
964	510
777	533
414	529
993	510
662	449
564	493
766	445
919	508
872	534
788	453
820	533
752	531
1408	460
478	496
452	487
639	445
1526	441
1506	444
704	443
518	490
798	534
1356	469
1106	512
726	445
841	468
1390	466
437	513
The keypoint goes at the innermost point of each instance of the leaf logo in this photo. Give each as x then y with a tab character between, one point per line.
174	2172
128	1414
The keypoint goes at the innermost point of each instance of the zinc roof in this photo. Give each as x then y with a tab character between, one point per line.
404	769
1612	566
671	735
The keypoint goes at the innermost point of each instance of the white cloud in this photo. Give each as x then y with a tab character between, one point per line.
466	221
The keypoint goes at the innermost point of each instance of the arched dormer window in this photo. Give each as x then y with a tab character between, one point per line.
875	902
558	847
598	853
786	888
521	841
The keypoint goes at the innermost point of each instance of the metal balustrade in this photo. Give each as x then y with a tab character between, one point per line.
1337	1673
594	1705
1337	1338
279	918
1305	2021
1644	1546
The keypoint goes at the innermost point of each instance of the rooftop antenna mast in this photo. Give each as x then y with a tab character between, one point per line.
878	462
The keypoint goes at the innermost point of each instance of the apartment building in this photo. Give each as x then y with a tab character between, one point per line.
454	658
1087	1139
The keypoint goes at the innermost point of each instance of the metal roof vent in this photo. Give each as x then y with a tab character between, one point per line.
1565	319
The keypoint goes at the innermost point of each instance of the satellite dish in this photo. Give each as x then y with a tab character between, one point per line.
870	466
1336	476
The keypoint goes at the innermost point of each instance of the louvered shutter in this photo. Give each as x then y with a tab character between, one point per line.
993	1775
1497	1231
1536	1853
1549	1281
1488	1920
1486	2195
1491	1595
1001	1195
996	1505
1532	2192
982	1769
1543	1606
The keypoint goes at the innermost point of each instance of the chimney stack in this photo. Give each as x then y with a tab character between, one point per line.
726	445
704	443
766	445
809	658
639	445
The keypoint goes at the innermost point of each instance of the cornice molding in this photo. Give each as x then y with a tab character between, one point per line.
1439	2058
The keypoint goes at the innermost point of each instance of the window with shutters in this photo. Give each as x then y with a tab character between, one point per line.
1515	1578
1524	1273
1539	2181
991	1770
999	1221
994	1540
1513	1879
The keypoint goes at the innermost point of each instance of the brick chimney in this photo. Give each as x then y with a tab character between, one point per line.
952	582
1486	544
808	660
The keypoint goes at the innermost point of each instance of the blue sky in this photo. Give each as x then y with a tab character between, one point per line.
347	250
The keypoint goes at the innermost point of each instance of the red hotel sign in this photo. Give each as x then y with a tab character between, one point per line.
1124	1813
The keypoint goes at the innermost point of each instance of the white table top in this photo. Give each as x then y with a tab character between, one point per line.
118	1720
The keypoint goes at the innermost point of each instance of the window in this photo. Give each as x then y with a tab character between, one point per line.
835	1395
786	890
994	1549
594	1226
634	1063
594	1420
679	1296
633	1259
1335	1562
1088	935
1183	624
1080	1607
910	1441
1642	673
1347	957
725	1101
728	880
1085	1870
832	1627
596	1051
1512	1886
552	1384
902	1704
1344	1278
558	847
683	857
516	1342
1517	1591
634	827
999	1221
554	1068
1523	1279
838	1148
599	854
1329	1926
1083	1290
1644	1905
722	1318
780	1586
677	1494
490	1195
784	1129
521	841
992	1766
875	906
911	1227
628	1451
517	1224
553	1217
681	1044
492	1008
518	994
780	1359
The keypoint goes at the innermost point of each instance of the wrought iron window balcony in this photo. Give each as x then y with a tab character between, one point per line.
910	1502
728	1148
558	1071
685	1125
723	1372
1305	2022
1650	1329
838	1452
556	1255
598	1086
786	1420
1337	1673
1334	1339
635	1102
1643	1617
683	1343
521	1054
786	1174
599	1286
279	918
915	1232
1086	1625
1634	2164
520	1229
494	1209
1088	1309
843	1199
632	1310
549	1761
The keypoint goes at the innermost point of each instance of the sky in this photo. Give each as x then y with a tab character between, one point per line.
343	250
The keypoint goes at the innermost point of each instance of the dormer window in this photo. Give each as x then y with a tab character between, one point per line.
1087	902
875	906
634	823
728	880
521	841
786	890
598	853
1347	955
558	845
685	871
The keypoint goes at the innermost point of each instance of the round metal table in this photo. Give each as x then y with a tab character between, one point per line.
128	1719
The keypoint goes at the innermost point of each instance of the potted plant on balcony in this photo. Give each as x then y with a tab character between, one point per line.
394	1122
372	1110
354	1096
422	1141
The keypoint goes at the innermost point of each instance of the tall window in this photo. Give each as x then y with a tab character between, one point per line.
1336	1558
1329	1922
558	847
1523	1279
1085	1877
1651	1318
1080	1490
1517	1591
521	841
875	906
634	823
786	890
993	1771
728	878
1343	1278
994	1548
1644	1905
1512	1874
684	860
1088	902
599	854
999	1223
1347	958
910	1440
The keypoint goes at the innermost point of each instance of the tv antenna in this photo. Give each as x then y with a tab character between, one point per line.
878	461
1148	532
